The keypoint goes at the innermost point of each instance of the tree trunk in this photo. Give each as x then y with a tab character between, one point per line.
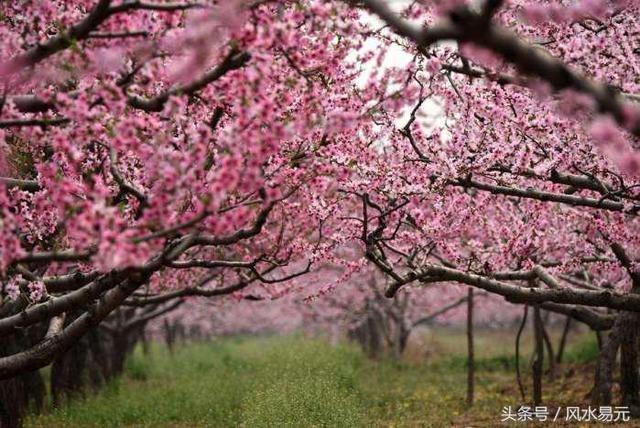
523	323
629	381
563	340
21	391
119	351
99	358
401	336
144	340
404	338
539	356
374	338
600	340
169	336
549	345
69	371
470	350
601	395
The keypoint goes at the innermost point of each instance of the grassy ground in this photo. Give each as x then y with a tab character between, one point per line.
293	381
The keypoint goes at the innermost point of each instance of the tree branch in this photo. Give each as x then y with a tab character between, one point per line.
232	61
58	43
516	294
44	352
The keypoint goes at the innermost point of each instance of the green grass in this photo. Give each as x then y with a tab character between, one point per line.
298	382
252	382
584	351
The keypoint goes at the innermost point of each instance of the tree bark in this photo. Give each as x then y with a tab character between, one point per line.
629	380
539	356
563	340
600	340
44	352
601	395
518	336
27	389
549	345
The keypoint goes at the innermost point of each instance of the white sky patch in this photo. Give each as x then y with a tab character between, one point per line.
430	115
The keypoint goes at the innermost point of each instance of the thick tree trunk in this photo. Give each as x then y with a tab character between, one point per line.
374	339
81	366
601	394
10	408
629	381
539	356
36	389
470	349
69	371
100	361
401	337
368	334
119	351
25	389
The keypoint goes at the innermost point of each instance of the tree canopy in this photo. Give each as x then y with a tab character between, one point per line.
155	152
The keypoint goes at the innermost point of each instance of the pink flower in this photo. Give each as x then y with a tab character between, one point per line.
37	291
433	65
605	132
535	13
12	288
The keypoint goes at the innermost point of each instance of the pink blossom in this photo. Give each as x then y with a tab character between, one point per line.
433	65
37	290
12	288
606	133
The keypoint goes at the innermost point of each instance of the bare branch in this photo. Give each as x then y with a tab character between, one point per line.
164	7
22	123
516	294
58	305
60	42
27	185
232	61
124	185
116	34
56	256
544	196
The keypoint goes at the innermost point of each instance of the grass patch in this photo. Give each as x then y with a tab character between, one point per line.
250	382
583	351
298	382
